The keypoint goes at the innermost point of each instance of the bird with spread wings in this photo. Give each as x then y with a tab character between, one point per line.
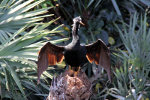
74	54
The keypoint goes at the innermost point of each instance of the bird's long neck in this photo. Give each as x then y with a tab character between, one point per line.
75	36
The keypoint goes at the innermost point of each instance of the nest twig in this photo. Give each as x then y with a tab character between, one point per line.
68	86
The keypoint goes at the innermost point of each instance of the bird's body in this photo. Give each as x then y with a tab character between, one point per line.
75	57
74	53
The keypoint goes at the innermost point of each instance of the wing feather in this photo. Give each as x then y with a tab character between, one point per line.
100	54
49	54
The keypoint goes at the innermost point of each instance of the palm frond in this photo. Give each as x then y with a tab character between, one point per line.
15	14
19	48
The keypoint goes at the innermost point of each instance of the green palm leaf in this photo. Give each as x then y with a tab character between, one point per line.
18	48
15	14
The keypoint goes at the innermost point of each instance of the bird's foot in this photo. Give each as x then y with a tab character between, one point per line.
70	68
70	71
76	72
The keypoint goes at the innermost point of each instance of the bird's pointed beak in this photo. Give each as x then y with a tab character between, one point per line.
81	23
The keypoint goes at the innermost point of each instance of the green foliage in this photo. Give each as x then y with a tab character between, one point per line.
101	13
136	41
18	56
16	14
19	48
132	77
45	4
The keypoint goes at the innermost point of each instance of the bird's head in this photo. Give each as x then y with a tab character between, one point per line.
78	20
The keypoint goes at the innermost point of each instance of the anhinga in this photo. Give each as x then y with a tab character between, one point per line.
75	55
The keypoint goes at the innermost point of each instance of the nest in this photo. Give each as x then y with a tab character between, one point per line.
70	86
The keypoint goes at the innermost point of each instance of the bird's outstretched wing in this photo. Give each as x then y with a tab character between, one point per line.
100	54
49	54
